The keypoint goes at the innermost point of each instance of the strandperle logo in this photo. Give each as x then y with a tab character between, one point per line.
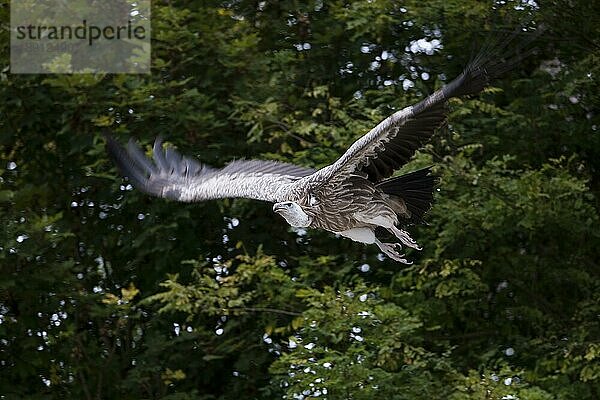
85	36
82	32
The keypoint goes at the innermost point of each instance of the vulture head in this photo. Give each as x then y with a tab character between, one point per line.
293	214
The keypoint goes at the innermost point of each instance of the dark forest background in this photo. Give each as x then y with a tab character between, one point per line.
106	293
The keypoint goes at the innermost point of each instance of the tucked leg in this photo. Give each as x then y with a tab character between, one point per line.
390	250
404	237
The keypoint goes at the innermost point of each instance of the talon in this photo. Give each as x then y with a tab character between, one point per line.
405	238
389	250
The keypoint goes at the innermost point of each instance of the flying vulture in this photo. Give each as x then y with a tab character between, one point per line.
351	197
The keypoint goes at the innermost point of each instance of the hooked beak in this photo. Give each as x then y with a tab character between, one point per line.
278	207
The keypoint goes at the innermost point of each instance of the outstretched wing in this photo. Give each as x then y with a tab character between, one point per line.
394	141
172	176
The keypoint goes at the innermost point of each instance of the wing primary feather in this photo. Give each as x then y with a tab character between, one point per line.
173	160
129	165
158	155
192	167
490	63
139	157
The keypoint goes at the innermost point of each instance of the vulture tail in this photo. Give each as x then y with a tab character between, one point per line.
415	188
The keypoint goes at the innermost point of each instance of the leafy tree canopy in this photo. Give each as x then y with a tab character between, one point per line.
107	293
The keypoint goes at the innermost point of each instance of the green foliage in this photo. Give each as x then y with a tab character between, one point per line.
107	293
353	344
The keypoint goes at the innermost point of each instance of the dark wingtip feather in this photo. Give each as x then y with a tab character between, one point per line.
129	166
501	55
